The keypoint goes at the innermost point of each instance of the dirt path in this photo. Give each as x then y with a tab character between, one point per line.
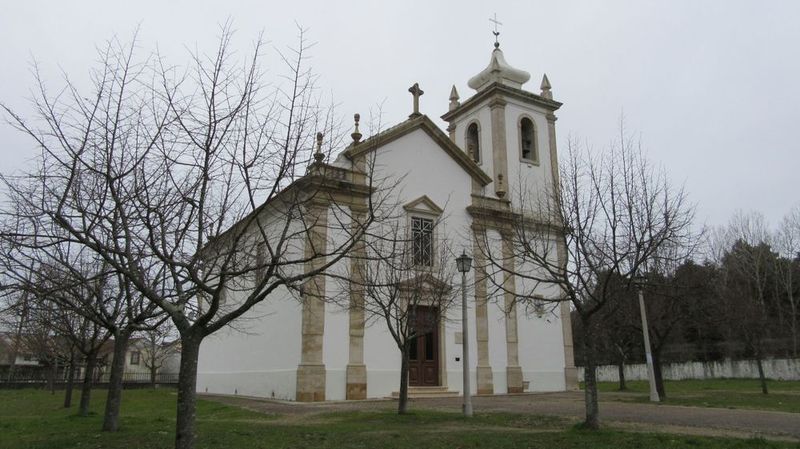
630	416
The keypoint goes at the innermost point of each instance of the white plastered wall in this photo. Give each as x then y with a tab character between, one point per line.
258	354
541	342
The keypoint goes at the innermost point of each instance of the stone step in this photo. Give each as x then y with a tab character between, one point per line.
428	392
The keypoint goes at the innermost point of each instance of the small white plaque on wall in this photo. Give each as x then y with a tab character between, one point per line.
459	338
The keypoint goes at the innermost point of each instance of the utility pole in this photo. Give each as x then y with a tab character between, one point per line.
640	282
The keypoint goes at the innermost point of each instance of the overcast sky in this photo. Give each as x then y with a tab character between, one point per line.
712	87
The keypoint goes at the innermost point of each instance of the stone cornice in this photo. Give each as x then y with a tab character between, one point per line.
497	102
492	213
501	89
429	206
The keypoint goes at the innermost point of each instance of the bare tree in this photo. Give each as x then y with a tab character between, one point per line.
191	185
604	218
78	282
55	333
747	262
617	338
158	345
42	327
788	244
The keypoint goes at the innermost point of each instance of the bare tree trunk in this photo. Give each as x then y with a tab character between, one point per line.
86	388
590	380
621	372
402	402
153	377
48	378
761	376
70	381
793	319
114	398
187	393
53	376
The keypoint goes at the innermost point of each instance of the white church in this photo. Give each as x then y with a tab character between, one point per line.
500	141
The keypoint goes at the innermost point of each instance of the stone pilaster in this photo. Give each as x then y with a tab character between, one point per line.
484	369
356	369
513	370
570	372
551	137
311	371
499	156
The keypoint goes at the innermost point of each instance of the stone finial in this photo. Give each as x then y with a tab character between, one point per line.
500	190
318	156
416	92
454	98
451	131
356	135
546	93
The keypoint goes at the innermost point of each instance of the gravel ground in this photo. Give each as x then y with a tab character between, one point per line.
629	416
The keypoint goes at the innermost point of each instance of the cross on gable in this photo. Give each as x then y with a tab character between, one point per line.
416	92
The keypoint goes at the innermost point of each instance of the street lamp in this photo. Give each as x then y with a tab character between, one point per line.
640	281
464	263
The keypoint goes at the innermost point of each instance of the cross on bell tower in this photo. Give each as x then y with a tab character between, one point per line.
495	32
416	92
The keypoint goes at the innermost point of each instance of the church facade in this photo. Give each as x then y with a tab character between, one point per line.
500	142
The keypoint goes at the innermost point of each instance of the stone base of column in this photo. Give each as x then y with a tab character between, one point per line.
310	383
514	379
356	382
485	383
571	377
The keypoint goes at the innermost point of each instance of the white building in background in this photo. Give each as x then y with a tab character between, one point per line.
499	142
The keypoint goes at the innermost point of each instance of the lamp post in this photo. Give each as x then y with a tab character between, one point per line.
640	282
464	262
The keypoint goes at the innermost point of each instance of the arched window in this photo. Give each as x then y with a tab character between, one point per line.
527	140
474	142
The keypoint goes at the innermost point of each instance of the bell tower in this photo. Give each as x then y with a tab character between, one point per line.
507	130
511	134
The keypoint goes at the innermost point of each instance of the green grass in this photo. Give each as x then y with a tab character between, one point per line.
784	396
34	419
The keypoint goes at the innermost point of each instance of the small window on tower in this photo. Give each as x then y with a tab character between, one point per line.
474	142
527	135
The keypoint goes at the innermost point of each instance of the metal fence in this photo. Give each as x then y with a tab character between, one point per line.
33	377
160	378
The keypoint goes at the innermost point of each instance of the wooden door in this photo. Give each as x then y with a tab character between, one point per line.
423	364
